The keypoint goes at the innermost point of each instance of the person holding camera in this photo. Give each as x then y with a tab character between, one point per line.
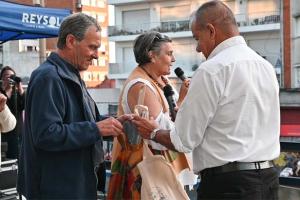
12	88
7	119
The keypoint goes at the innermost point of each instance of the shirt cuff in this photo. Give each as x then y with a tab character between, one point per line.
176	141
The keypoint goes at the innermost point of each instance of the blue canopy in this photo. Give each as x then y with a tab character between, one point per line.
19	21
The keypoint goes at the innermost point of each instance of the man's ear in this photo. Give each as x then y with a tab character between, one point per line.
70	41
212	30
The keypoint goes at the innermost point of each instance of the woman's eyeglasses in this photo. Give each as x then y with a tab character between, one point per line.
158	38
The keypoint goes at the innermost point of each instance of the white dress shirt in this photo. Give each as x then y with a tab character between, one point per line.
231	111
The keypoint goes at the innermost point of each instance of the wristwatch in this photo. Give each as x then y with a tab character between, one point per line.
154	133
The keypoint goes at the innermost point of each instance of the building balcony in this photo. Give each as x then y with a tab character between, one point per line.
162	27
124	2
122	71
253	19
247	23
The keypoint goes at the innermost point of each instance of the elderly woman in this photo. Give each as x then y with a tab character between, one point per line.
7	119
154	55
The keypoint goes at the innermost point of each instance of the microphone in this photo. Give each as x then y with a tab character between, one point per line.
180	74
168	92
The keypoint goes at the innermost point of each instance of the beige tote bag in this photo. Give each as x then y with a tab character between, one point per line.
158	178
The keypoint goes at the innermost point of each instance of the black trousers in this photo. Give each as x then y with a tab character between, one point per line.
260	184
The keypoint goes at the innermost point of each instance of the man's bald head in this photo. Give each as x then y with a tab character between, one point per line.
218	14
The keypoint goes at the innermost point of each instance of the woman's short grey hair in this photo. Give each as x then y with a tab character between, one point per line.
149	41
75	24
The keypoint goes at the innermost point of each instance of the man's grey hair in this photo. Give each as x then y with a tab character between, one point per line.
149	41
75	24
215	12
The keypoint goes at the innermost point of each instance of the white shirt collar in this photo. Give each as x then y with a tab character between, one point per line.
236	40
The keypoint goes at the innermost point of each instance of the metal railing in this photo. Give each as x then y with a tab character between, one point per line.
133	29
250	19
253	19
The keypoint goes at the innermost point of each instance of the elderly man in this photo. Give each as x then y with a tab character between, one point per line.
62	145
230	117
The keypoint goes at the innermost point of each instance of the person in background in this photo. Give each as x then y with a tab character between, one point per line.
62	144
230	117
7	119
154	55
12	88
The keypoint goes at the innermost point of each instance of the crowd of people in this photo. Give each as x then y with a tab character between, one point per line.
226	128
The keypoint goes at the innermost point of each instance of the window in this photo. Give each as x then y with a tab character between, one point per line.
297	27
297	81
295	51
85	2
101	4
266	46
128	60
175	13
264	12
101	62
94	3
135	21
258	6
28	45
29	48
86	76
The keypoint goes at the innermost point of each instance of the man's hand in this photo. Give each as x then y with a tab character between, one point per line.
2	102
124	118
144	126
110	127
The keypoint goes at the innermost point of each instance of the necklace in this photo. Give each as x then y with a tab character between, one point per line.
155	81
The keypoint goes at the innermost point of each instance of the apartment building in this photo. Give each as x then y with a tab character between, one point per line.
23	55
259	22
295	21
98	71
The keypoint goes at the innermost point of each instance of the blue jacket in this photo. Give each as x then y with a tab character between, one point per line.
61	147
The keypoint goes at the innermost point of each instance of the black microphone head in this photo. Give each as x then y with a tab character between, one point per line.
168	90
179	72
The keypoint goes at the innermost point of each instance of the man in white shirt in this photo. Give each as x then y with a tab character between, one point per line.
230	118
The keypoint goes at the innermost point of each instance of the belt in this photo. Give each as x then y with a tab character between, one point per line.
238	166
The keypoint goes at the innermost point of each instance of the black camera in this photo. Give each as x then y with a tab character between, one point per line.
15	78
